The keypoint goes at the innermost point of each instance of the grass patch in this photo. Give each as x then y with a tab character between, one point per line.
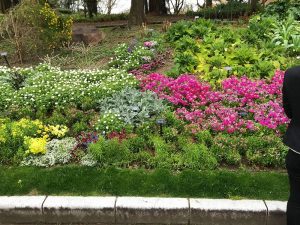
75	180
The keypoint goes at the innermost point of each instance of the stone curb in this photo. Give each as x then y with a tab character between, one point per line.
139	210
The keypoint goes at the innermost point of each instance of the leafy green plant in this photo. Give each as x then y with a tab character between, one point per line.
227	149
197	29
178	30
132	106
286	34
197	156
266	151
110	152
260	27
136	144
187	43
283	9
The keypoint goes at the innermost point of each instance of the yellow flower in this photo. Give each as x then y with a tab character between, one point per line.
36	145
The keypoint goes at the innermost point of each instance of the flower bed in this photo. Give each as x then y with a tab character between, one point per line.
139	119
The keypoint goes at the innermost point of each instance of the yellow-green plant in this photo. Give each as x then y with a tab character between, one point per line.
36	145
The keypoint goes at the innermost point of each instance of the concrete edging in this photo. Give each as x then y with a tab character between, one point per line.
139	210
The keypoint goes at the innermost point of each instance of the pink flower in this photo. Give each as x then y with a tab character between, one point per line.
197	103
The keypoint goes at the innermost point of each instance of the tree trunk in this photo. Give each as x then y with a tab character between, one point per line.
2	6
6	4
163	7
254	5
146	6
208	3
157	7
91	7
137	13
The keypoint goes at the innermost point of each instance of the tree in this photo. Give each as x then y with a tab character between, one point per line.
254	5
208	3
146	6
177	5
110	5
137	13
91	6
6	4
157	7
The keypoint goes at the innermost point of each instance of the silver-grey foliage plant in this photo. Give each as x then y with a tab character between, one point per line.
133	106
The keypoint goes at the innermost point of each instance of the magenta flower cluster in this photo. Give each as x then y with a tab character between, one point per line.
150	44
240	104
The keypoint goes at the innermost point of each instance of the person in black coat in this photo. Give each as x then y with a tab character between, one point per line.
291	105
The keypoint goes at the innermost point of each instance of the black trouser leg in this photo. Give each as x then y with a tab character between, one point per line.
293	207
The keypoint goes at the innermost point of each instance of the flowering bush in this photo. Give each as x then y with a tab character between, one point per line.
35	29
110	122
36	145
55	29
129	57
48	88
240	105
58	152
25	136
150	44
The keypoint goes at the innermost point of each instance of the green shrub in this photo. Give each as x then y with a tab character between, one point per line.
170	134
197	156
182	141
231	10
204	137
144	159
80	17
227	149
173	121
110	152
266	151
136	144
282	9
163	153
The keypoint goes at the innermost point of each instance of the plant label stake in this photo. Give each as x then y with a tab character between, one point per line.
160	122
4	55
17	79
